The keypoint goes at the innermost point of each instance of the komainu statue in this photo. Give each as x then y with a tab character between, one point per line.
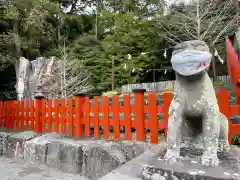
194	111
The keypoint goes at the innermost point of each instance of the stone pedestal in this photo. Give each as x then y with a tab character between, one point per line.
190	168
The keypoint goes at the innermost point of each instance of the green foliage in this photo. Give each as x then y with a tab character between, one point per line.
236	140
218	83
124	38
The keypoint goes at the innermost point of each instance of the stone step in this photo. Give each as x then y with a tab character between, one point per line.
90	158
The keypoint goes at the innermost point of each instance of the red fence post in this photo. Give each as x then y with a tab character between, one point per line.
105	111
79	114
140	115
87	116
96	116
223	103
38	113
49	117
11	119
63	116
56	115
127	117
116	119
8	122
70	116
152	106
167	98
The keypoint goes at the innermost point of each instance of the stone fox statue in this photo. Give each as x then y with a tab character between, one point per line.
194	110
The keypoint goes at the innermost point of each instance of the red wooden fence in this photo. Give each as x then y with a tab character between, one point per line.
233	67
72	116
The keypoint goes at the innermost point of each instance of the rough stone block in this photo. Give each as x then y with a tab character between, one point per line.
35	150
71	158
15	143
3	142
91	158
66	155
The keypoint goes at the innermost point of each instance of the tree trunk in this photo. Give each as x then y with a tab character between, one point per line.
113	76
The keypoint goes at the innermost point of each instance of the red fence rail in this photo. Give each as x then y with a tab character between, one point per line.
75	116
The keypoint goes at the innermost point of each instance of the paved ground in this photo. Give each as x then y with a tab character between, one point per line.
19	170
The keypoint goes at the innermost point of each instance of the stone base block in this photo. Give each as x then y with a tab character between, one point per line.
4	142
16	141
91	158
191	168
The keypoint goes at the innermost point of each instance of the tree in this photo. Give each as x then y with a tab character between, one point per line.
68	76
207	20
128	47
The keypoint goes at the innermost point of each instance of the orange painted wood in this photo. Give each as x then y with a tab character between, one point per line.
22	114
235	110
152	103
79	116
96	117
127	117
105	117
8	113
140	116
160	109
49	116
56	116
43	115
161	124
225	109
87	116
32	117
70	116
9	123
38	116
63	116
8	118
27	113
235	129
116	119
12	115
167	98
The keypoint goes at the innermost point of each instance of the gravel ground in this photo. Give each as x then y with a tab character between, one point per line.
19	170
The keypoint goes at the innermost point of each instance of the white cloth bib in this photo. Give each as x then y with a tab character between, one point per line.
190	62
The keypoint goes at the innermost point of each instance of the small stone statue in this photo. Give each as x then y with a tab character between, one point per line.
194	111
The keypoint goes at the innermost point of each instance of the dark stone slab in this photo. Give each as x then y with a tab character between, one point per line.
191	168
